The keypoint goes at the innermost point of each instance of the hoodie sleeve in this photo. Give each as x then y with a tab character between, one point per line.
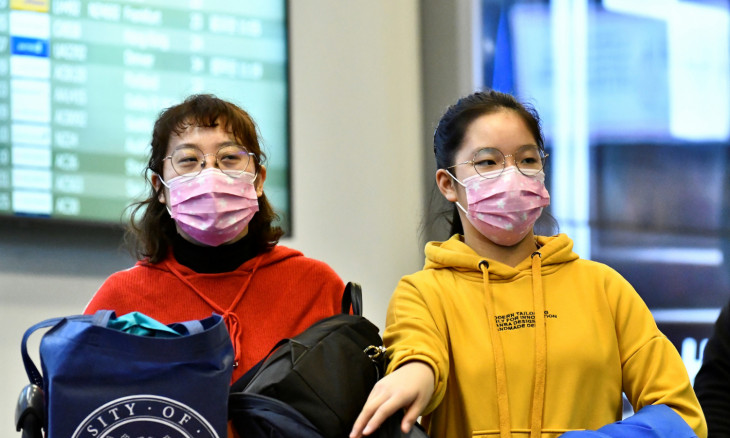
414	333
653	421
652	369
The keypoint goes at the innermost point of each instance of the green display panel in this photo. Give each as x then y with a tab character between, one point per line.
82	82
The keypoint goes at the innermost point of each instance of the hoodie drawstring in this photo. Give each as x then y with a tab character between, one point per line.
229	317
538	396
500	369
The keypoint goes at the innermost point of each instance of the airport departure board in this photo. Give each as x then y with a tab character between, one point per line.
82	82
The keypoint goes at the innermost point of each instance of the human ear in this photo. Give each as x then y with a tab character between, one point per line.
445	183
259	182
156	183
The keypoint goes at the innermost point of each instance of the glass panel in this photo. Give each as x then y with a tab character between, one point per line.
635	102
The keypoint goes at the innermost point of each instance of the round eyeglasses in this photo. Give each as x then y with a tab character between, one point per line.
232	159
490	162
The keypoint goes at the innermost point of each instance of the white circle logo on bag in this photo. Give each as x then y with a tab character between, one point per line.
147	416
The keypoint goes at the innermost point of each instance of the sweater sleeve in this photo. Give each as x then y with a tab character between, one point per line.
712	382
414	333
332	287
652	369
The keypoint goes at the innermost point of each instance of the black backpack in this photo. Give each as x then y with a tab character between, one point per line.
315	384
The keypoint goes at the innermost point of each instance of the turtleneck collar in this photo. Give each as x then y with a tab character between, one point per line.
212	259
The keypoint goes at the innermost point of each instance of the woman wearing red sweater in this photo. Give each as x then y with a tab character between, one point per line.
204	238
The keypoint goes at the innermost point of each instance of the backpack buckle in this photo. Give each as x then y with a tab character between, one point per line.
374	352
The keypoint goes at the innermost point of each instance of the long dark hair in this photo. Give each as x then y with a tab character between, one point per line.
151	229
449	135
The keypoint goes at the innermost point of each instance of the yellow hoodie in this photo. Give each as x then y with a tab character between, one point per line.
536	350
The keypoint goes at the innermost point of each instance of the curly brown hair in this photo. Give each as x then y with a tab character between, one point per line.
151	229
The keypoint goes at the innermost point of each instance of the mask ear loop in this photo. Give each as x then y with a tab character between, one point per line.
161	180
159	177
255	167
454	178
461	184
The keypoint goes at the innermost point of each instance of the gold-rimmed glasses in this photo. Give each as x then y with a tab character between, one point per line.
232	159
491	162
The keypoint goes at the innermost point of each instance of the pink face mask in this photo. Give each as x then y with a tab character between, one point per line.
504	209
212	207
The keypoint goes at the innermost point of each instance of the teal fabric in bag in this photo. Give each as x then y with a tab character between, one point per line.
104	376
139	324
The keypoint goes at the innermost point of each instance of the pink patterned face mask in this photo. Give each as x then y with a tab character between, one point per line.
212	207
504	209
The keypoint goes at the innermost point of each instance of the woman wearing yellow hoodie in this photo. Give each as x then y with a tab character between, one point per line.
505	333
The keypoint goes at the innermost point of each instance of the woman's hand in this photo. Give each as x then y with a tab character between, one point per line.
409	387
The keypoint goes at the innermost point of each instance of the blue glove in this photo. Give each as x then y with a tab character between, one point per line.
652	421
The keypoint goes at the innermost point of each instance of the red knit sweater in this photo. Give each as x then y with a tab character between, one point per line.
286	294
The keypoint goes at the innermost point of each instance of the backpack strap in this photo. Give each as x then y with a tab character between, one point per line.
243	381
352	296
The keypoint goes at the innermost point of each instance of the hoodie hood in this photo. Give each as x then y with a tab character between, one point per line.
277	254
455	254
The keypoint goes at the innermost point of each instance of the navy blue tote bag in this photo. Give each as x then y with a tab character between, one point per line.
100	381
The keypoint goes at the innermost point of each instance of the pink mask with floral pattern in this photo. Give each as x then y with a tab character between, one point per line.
212	207
504	209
